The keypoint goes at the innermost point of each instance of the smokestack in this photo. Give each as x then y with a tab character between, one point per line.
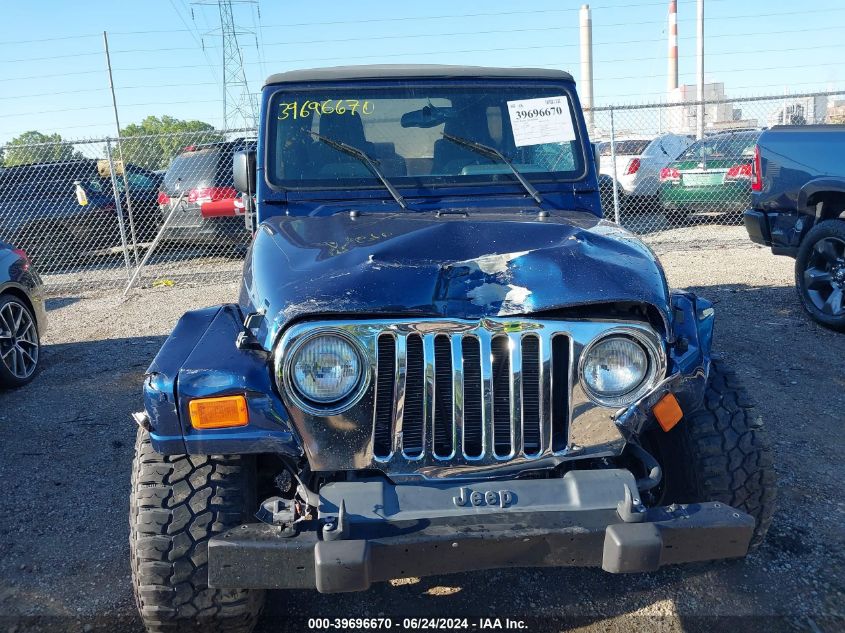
585	89
672	80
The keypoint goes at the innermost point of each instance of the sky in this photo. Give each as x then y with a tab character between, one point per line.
167	58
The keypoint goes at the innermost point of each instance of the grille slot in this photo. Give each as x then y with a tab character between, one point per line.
531	395
385	386
473	428
501	396
442	436
413	419
560	392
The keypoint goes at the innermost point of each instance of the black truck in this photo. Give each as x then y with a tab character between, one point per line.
798	208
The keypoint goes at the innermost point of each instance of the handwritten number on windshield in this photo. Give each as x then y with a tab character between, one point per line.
304	109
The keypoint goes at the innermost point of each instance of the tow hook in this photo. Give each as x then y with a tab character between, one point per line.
279	513
631	509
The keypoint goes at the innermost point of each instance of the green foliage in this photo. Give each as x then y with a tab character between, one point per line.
36	147
171	136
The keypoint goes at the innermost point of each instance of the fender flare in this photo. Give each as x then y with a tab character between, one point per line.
807	193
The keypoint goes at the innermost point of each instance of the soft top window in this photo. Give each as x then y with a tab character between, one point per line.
405	129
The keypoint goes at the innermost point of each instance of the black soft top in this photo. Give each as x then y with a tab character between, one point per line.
413	71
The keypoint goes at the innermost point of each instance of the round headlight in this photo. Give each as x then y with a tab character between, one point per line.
326	369
613	370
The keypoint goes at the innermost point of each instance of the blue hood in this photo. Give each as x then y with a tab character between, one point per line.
451	264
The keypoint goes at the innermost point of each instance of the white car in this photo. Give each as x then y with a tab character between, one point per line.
639	161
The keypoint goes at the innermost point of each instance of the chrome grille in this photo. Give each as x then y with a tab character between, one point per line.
461	398
474	395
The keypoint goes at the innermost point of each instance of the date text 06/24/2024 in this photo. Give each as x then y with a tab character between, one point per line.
416	624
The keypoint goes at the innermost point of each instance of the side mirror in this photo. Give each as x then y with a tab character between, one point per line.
597	158
243	171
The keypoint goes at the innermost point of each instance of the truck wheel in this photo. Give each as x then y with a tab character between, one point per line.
178	503
720	452
820	273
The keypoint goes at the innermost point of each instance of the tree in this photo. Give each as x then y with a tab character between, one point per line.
155	141
36	147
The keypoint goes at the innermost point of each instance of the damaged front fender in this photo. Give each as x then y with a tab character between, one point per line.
200	360
689	365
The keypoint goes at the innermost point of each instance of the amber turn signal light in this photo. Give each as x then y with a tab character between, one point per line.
218	413
668	412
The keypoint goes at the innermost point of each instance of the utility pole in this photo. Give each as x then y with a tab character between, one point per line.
699	120
112	167
586	80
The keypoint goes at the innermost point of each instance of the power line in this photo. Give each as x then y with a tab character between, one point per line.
429	17
426	35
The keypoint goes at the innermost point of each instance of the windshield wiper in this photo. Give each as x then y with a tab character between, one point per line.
492	152
369	162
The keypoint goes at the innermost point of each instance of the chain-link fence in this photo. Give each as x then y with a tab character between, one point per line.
670	181
103	213
98	213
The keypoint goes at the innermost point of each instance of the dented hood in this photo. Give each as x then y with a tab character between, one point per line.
444	265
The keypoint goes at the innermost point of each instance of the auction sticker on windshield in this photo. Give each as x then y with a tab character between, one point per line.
543	120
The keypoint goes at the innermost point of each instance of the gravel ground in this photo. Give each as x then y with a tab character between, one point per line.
66	447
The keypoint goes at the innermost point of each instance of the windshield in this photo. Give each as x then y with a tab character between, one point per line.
727	146
401	128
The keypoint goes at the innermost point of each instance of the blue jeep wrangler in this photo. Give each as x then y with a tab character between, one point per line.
442	359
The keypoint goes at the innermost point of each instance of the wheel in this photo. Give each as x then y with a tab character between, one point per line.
178	503
820	273
20	346
719	452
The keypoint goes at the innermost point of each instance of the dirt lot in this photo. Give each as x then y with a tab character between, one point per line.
66	447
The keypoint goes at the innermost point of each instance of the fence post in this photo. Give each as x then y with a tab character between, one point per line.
613	159
119	209
173	207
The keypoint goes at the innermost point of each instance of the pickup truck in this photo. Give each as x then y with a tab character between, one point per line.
798	208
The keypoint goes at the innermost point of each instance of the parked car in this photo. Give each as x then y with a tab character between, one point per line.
798	208
638	165
438	362
202	174
40	210
711	175
23	319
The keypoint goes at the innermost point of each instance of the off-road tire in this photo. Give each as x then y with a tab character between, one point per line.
178	503
822	230
720	452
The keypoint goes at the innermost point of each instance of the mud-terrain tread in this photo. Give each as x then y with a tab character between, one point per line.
726	452
178	502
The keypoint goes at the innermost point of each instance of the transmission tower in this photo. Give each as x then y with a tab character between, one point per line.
240	107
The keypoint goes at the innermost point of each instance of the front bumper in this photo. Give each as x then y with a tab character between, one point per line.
383	531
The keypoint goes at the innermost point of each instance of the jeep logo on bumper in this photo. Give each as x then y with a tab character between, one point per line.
501	498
